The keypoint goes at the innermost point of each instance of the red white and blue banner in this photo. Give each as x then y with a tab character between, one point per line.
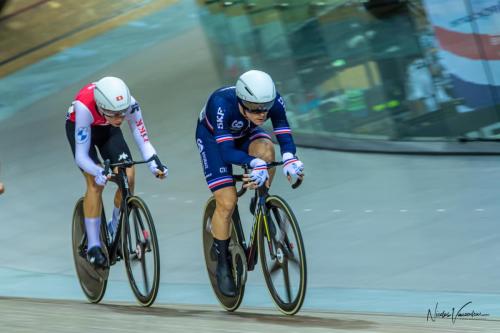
468	33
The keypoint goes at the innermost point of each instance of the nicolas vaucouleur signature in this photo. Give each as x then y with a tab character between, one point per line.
461	312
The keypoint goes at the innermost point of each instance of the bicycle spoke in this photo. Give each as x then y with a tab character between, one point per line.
284	227
136	227
140	255
139	219
294	260
145	273
286	277
276	267
277	216
129	239
283	223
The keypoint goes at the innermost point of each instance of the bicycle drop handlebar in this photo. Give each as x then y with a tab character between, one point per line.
239	178
128	163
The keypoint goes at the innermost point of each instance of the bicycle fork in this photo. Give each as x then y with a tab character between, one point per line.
269	228
261	219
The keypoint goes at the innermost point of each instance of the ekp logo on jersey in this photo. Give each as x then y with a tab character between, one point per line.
220	118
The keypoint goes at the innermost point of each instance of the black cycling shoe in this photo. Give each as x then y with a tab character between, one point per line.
225	280
96	257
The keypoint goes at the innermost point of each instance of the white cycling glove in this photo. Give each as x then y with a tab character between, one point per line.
155	169
292	166
259	172
100	179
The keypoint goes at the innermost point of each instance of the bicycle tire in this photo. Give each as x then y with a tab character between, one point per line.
134	251
285	250
228	303
92	281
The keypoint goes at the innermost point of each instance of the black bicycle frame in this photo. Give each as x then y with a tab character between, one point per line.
121	179
261	215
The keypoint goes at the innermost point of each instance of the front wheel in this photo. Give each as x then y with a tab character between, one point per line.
140	251
283	257
92	280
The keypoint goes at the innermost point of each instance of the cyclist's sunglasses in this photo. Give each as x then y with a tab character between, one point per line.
113	114
256	107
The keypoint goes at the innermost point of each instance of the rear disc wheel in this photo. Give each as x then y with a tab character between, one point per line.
93	281
238	261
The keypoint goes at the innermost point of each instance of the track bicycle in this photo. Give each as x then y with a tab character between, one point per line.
275	237
135	242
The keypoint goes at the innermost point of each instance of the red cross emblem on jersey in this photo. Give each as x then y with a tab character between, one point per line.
119	98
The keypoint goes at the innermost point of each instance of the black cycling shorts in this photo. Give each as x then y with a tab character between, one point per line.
107	139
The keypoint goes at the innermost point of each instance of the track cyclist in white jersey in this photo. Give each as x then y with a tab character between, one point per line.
93	123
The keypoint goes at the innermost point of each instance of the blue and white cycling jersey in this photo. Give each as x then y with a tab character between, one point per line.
221	116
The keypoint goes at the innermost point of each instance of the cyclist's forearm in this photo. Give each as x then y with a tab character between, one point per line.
146	148
231	155
140	133
83	160
286	143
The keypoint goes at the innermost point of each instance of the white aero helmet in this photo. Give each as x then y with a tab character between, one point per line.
255	91
111	94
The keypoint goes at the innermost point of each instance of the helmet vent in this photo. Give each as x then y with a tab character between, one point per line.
251	93
104	96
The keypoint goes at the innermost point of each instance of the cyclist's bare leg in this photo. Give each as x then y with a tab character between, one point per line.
92	201
225	201
263	149
92	207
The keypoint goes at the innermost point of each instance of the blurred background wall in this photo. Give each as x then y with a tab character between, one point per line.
382	75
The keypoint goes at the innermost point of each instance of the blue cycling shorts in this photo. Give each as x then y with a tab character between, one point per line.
219	174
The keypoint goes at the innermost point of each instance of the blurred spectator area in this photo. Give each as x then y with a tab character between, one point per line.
33	29
2	5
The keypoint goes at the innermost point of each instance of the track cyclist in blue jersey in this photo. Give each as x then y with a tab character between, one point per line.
228	133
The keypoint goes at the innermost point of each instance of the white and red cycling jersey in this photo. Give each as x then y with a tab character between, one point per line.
86	97
83	112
